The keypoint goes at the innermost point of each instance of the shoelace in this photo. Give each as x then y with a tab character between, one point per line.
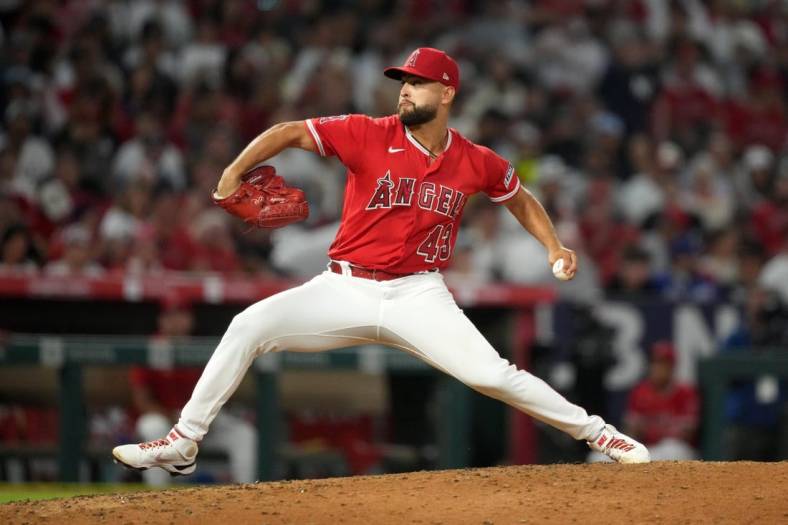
154	444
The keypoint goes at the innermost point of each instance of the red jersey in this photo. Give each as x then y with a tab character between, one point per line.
402	212
663	414
171	388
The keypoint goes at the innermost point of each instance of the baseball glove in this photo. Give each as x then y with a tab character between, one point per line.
265	201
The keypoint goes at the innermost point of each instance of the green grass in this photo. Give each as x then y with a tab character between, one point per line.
23	491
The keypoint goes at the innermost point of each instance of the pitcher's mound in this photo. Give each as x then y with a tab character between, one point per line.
668	492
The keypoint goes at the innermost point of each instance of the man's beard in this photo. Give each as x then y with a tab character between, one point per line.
417	115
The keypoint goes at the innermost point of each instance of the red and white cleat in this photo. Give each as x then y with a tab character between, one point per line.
174	453
619	447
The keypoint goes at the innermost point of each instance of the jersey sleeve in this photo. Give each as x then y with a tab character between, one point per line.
342	135
502	180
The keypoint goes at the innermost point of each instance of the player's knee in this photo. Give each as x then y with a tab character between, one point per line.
252	324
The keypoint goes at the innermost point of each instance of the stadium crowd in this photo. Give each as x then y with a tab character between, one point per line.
654	132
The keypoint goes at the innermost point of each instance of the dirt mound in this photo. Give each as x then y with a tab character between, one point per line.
689	492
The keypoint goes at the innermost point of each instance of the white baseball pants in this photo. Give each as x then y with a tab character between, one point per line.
416	314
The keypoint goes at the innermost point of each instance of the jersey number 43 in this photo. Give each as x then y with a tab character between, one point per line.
437	244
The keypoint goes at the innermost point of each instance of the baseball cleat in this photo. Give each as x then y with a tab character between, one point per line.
619	447
174	453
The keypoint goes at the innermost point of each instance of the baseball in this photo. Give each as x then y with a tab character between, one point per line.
558	270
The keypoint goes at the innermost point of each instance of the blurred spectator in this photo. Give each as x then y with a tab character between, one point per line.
645	193
33	156
751	261
121	224
755	409
754	180
722	259
685	108
214	243
158	393
527	139
685	280
770	216
150	56
630	84
203	57
320	179
708	196
664	414
148	157
175	19
77	252
759	117
660	231
61	197
604	235
635	278
87	132
478	258
138	255
774	276
295	251
201	110
568	57
559	189
498	89
174	240
17	252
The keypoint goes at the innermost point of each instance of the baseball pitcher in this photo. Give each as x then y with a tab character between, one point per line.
408	179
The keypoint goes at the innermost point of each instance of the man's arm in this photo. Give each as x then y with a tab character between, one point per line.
269	143
530	213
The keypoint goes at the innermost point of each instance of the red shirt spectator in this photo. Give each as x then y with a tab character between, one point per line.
770	225
658	407
170	388
685	103
761	118
166	390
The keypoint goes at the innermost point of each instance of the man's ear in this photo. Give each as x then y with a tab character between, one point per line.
448	95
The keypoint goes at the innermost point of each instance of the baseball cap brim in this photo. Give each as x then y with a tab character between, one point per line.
397	72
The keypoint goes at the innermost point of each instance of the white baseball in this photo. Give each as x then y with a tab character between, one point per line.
558	270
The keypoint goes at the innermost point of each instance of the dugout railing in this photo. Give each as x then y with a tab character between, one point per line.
715	374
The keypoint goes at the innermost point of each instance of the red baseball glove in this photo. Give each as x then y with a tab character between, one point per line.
263	200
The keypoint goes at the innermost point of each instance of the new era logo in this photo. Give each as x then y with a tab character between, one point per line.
446	76
411	62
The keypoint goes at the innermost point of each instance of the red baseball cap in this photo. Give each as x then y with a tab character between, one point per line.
663	351
429	63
